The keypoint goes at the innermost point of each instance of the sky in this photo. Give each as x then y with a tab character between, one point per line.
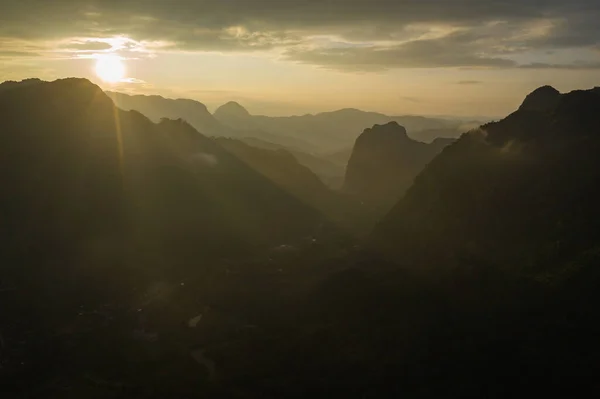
284	57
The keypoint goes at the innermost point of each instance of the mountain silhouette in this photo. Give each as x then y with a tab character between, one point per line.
330	172
384	163
544	98
329	132
232	112
196	114
80	174
9	84
157	107
521	191
283	169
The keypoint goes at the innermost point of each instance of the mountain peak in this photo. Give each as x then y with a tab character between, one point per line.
10	84
76	93
391	130
541	99
232	109
383	164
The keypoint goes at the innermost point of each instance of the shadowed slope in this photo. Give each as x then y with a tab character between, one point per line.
384	163
519	191
77	170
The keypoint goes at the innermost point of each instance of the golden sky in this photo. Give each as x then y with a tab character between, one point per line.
430	57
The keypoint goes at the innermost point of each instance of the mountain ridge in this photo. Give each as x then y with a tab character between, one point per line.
507	189
383	164
158	181
231	109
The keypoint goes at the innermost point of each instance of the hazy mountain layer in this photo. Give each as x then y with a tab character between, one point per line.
284	170
333	131
196	114
330	172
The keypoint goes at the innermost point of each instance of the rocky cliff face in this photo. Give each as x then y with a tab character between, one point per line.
384	163
542	99
518	192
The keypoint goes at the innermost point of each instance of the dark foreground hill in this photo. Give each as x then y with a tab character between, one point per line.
482	281
523	190
79	172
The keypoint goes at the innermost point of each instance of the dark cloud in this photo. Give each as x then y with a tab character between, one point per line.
454	50
412	55
88	46
469	82
490	29
379	17
17	54
572	66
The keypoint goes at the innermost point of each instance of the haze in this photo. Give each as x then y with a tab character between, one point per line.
427	57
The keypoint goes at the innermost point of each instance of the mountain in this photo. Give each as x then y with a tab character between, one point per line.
157	107
451	133
235	115
116	229
384	163
334	131
521	192
128	270
309	137
340	157
330	172
284	170
9	84
81	175
541	99
196	114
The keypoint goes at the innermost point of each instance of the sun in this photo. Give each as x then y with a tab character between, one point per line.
110	68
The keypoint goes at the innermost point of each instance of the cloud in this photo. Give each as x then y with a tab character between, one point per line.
380	18
132	81
469	82
365	35
572	66
204	159
88	46
453	50
17	54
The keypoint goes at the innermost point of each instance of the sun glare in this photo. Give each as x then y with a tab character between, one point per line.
110	68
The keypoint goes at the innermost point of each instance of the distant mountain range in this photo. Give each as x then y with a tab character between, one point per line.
322	142
333	131
320	133
196	114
